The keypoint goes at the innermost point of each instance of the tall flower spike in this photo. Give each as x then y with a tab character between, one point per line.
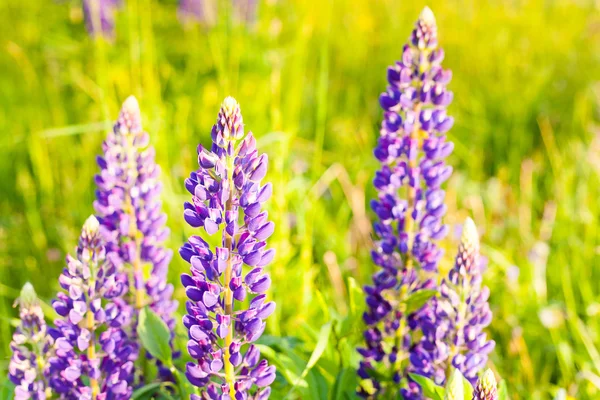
93	356
128	207
411	149
100	17
486	387
205	11
31	347
198	11
227	197
245	11
453	323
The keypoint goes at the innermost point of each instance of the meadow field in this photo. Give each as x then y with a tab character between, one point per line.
308	74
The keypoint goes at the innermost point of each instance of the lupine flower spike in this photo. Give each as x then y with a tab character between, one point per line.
227	198
94	358
411	149
245	11
486	387
100	17
198	11
31	347
205	11
453	324
128	207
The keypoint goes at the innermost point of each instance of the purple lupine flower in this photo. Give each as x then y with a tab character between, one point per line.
31	348
128	207
100	17
245	10
198	11
453	323
205	11
227	198
486	387
412	147
93	355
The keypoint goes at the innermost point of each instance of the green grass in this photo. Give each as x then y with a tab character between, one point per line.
308	75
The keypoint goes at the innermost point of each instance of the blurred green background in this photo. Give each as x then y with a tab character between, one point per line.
308	75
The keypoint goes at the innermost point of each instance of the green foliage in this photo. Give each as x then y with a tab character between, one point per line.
525	78
154	335
457	388
149	390
429	388
418	299
502	391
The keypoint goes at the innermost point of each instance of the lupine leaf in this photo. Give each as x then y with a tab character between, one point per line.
430	389
418	299
322	342
185	387
353	321
154	335
468	388
7	390
455	388
502	391
356	297
146	390
345	385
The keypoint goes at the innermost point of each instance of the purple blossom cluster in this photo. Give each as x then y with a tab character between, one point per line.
205	11
31	346
453	323
129	209
93	357
100	17
121	267
412	148
486	389
227	198
197	11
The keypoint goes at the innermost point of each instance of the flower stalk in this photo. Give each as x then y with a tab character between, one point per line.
31	348
128	207
409	207
92	315
227	197
453	323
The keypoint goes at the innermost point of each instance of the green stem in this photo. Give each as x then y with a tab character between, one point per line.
91	350
229	373
137	281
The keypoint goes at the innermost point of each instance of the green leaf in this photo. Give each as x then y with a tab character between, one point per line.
352	322
154	335
185	387
468	388
345	385
7	390
381	374
146	390
322	342
356	297
418	299
430	389
320	347
503	391
455	388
